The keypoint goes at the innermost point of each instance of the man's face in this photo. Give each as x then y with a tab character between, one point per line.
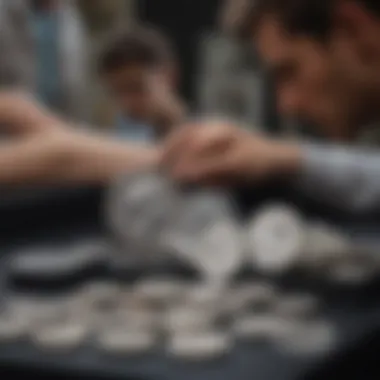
330	84
136	89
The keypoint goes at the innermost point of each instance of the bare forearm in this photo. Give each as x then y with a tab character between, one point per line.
98	159
70	158
29	161
21	114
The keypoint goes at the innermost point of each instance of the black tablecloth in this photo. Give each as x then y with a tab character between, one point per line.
76	213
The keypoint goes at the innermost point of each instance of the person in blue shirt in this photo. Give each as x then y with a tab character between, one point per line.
44	20
59	57
139	70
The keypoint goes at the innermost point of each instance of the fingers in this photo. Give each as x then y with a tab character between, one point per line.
177	145
208	171
198	153
194	140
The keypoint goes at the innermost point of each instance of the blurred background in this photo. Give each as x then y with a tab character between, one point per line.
72	55
56	43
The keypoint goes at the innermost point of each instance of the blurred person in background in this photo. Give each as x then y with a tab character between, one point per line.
44	50
324	56
140	72
16	45
61	55
101	16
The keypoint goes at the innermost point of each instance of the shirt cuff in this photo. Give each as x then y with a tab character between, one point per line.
330	174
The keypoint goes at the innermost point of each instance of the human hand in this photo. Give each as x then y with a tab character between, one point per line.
220	153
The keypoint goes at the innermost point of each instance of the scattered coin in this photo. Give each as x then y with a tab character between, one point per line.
51	264
126	342
12	327
137	207
37	311
205	345
187	318
297	305
204	293
258	327
325	243
255	295
276	236
312	338
101	295
140	318
216	252
61	336
351	273
160	289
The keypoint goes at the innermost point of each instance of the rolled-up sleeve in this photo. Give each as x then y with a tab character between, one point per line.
345	178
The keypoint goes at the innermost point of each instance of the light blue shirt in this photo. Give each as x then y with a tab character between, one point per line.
134	131
46	35
343	177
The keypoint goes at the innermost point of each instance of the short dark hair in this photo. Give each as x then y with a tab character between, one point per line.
309	17
140	45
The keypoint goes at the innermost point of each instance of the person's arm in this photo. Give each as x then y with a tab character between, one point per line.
219	153
21	114
89	158
346	178
71	157
27	161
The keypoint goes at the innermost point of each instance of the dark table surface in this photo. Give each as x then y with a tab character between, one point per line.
53	217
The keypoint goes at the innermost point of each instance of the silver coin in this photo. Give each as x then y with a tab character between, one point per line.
126	342
349	273
140	318
93	302
297	305
133	299
38	311
276	236
309	339
96	248
138	208
187	318
201	346
204	293
160	289
99	293
216	253
259	295
61	336
325	243
205	234
55	262
12	327
258	327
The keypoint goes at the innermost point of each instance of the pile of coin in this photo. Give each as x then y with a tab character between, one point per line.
279	239
199	227
51	264
191	320
185	320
